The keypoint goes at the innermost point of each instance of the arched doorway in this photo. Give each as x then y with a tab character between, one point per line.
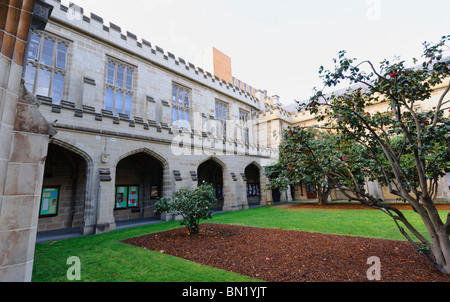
139	183
252	174
211	172
63	194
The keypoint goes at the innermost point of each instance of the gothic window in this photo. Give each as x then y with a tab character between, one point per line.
221	119
46	65
181	106
119	87
243	122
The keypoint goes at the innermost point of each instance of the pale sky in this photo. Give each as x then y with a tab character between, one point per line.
279	45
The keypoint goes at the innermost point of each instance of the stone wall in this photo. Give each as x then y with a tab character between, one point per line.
24	136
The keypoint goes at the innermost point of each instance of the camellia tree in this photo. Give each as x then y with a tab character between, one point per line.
191	205
317	158
408	146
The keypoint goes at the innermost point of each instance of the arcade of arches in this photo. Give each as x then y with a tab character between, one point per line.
138	180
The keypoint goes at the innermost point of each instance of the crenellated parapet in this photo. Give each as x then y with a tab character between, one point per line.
95	27
87	119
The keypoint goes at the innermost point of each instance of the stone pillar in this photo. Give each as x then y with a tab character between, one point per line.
266	195
24	137
231	189
286	196
105	200
243	189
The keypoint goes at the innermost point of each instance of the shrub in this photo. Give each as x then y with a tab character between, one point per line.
191	205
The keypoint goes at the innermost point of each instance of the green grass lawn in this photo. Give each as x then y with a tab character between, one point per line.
104	259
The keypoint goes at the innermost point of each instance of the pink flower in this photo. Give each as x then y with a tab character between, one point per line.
344	159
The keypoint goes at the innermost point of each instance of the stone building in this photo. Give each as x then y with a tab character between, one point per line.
24	139
135	122
96	124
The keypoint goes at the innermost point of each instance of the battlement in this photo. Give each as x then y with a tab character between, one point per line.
88	119
95	27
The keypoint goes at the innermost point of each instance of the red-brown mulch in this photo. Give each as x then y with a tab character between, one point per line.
277	255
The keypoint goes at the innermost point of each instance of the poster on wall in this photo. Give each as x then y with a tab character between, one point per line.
49	202
133	196
127	197
121	197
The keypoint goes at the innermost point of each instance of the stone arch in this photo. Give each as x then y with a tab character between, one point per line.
209	170
253	183
147	151
68	169
74	149
217	160
141	177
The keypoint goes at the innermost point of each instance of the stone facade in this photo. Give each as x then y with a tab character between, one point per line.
97	151
97	124
24	137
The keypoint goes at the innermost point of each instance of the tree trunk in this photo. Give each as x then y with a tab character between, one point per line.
440	236
322	195
444	249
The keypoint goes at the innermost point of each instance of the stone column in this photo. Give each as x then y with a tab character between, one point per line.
266	195
24	137
105	203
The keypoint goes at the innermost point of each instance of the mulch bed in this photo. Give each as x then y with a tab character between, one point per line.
277	255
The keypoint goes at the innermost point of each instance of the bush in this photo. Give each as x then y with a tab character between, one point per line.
192	205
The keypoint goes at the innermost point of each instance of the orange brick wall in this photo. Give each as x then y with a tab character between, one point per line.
222	66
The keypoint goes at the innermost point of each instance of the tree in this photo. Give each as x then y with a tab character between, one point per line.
320	159
191	205
409	147
277	180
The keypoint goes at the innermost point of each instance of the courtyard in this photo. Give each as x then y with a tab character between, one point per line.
295	242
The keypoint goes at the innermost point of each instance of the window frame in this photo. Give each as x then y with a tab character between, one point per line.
220	118
183	109
41	68
243	123
119	90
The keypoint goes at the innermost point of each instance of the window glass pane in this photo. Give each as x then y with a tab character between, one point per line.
186	99
111	73
217	110
118	104
186	119
43	82
57	87
174	116
120	76
224	112
129	79
180	98
30	77
33	49
61	56
174	95
128	101
109	99
47	52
